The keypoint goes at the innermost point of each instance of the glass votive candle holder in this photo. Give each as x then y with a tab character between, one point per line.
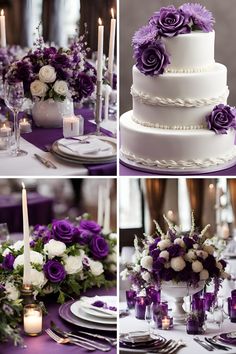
25	125
192	325
229	300
130	298
6	133
140	307
165	322
73	126
233	309
33	320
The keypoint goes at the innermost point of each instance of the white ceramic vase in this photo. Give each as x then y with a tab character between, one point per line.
49	113
178	291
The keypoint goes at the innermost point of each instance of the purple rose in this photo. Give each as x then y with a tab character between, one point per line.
158	264
202	18
175	250
151	58
155	253
41	232
170	22
153	245
99	247
63	230
54	271
86	230
8	261
84	86
221	119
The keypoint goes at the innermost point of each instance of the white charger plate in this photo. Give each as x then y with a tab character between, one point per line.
80	313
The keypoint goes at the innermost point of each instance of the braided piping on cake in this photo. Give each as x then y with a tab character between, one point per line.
178	102
163	126
181	164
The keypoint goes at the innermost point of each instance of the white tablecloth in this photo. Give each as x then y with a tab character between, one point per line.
29	166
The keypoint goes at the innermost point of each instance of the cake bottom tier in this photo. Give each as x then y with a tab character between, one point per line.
167	150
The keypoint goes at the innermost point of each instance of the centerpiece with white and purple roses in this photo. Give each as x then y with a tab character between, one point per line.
54	78
66	259
180	264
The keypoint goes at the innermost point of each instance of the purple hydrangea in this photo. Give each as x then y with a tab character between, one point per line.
8	261
202	18
54	271
151	58
221	119
63	230
145	34
170	22
98	247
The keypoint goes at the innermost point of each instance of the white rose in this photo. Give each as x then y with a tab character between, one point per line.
209	249
197	266
146	276
37	278
73	264
163	244
35	258
55	248
146	262
179	241
61	87
12	292
38	88
164	254
177	263
204	275
47	74
96	268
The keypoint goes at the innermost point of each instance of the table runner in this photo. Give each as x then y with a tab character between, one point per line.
44	344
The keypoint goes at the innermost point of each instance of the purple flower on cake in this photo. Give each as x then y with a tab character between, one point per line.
151	58
63	230
145	34
99	247
170	21
221	119
54	271
201	17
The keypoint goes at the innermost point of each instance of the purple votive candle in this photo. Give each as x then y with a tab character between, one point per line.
192	326
161	310
130	298
233	310
229	306
140	307
209	299
198	304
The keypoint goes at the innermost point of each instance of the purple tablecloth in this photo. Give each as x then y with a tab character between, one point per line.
40	210
126	171
44	344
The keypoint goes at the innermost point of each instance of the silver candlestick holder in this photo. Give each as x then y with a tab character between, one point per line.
98	111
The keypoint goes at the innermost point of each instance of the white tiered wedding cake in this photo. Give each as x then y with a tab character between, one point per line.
180	120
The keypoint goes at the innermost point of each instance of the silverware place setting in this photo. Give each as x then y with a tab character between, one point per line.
45	162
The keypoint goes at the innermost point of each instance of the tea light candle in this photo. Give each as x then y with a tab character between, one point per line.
25	125
33	321
5	130
165	322
140	307
73	126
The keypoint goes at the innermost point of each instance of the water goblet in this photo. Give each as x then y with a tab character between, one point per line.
4	233
14	97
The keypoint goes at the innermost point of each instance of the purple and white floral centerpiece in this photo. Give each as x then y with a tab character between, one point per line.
149	49
66	259
178	263
54	78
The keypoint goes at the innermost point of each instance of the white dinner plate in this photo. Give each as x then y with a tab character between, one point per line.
80	313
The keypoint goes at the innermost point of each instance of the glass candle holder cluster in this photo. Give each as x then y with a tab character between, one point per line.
6	134
162	315
33	320
232	306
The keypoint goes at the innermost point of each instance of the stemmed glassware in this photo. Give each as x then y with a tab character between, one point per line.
14	97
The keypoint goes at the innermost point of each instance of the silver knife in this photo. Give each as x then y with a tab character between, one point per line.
45	162
203	344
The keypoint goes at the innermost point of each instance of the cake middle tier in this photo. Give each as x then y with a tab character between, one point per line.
174	149
178	100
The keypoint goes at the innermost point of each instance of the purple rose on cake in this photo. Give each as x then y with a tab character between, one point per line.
151	58
170	21
221	119
202	18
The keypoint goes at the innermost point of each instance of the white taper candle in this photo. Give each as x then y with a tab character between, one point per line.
26	273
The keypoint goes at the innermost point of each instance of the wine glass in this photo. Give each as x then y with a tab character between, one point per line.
14	97
148	317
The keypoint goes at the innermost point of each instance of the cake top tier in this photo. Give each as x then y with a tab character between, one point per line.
175	39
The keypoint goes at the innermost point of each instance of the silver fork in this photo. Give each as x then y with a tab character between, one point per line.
111	341
61	340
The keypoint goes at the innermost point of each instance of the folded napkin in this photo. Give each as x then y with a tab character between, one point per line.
95	147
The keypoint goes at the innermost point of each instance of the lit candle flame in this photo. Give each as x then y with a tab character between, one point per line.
23	185
211	186
112	13
4	125
99	21
2	12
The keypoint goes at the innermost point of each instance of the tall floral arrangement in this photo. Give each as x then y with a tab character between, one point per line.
65	258
174	256
54	73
